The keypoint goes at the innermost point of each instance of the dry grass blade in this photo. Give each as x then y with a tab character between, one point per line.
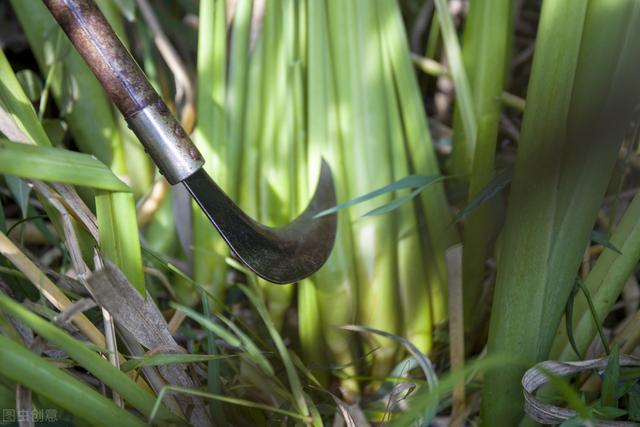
142	319
50	291
539	375
456	328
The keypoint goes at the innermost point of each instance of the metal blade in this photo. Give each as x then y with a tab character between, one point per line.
280	255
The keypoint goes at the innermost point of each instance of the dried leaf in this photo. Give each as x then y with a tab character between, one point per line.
538	375
143	320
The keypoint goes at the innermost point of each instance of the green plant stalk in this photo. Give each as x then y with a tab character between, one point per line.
209	248
311	140
464	151
485	54
578	108
310	323
275	203
118	234
248	192
355	45
336	283
19	364
236	102
160	234
413	284
433	38
92	362
433	210
78	94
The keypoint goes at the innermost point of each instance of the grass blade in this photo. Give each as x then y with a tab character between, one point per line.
228	337
411	181
231	400
57	165
118	233
464	97
292	375
169	359
19	364
92	362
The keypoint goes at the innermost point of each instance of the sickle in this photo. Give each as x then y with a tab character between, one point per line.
279	255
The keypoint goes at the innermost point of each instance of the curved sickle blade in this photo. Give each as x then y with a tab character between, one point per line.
280	255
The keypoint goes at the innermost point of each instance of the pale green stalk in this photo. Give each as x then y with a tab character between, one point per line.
415	296
463	155
118	233
356	46
578	108
160	234
434	213
209	136
237	91
335	284
251	137
276	143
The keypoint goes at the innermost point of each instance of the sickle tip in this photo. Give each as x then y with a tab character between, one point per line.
280	255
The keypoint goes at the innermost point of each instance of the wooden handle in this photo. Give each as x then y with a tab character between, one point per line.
148	116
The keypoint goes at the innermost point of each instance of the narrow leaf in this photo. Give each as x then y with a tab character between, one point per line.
169	359
411	181
395	203
208	324
21	365
20	192
56	165
495	186
568	314
608	412
601	238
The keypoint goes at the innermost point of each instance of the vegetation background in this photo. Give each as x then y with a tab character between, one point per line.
486	161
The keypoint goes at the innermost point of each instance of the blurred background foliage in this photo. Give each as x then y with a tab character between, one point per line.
489	207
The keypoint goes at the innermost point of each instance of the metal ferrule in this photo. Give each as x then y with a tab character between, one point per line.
166	142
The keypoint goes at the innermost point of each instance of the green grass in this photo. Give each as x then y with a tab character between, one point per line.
279	86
